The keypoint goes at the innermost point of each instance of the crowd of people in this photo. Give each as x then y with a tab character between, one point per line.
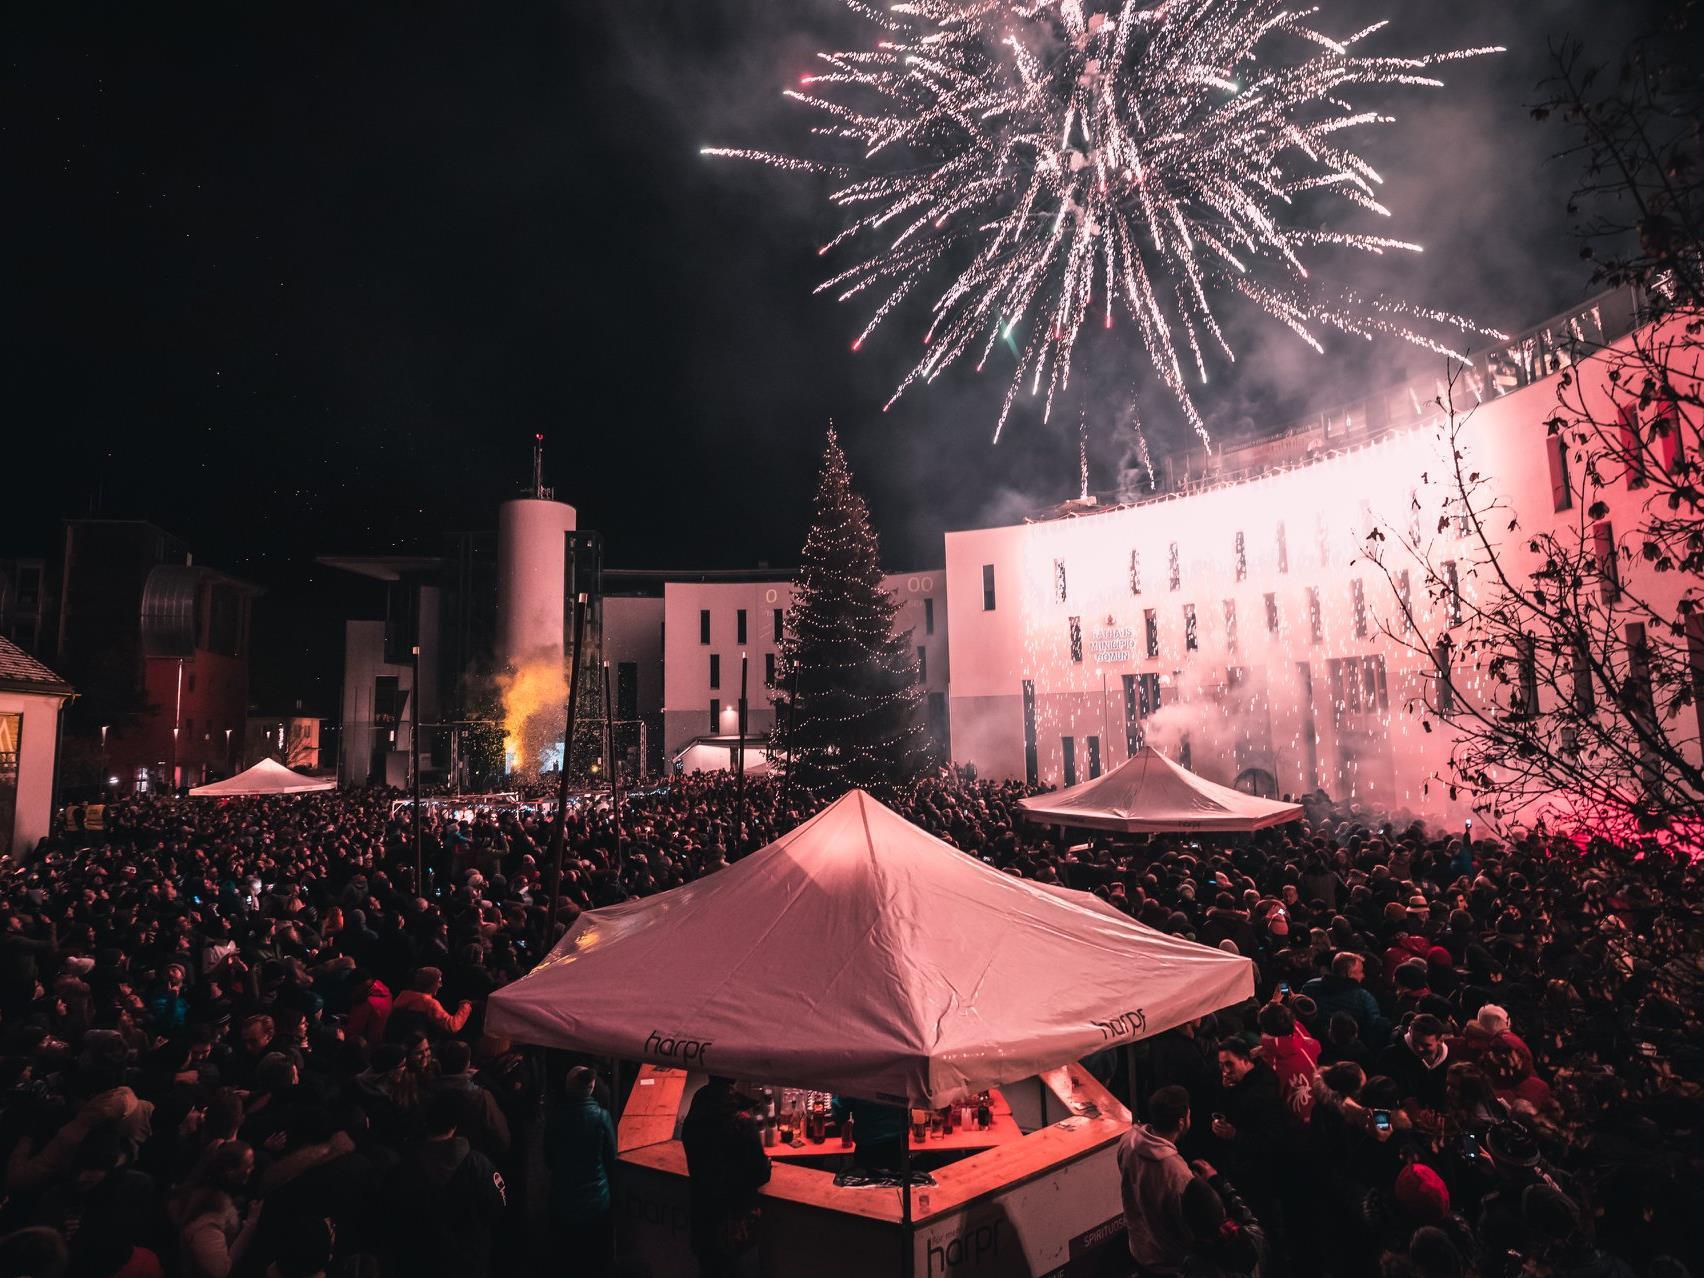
239	1038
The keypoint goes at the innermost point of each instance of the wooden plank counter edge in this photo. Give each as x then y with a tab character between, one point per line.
645	1138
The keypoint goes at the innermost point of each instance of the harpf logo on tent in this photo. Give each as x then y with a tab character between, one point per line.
1124	1025
688	1051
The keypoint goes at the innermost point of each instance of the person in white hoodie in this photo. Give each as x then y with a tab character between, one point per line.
1154	1178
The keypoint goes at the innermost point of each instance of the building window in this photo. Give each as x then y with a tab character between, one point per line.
1632	447
740	626
987	587
1058	581
1358	601
1230	625
1191	639
1032	761
1666	428
922	664
777	623
715	715
1283	548
1603	551
1135	572
1525	702
1069	746
1316	626
1151	632
1174	567
1452	592
1094	757
715	670
1239	555
1561	481
1076	624
928	615
1141	700
1444	695
1271	602
703	625
769	669
11	744
1584	689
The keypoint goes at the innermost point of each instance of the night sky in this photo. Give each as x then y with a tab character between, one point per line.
297	280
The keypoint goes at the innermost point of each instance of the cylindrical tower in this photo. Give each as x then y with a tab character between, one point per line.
531	560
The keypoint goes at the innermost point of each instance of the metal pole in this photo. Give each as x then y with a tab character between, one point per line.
739	775
792	718
609	765
414	768
908	1256
558	833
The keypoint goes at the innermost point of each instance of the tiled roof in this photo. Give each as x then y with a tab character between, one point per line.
23	673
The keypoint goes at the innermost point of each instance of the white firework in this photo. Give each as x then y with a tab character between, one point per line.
1040	166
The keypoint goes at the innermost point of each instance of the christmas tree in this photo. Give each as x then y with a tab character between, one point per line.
847	696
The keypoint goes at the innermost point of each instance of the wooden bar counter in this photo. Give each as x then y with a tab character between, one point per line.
1042	1200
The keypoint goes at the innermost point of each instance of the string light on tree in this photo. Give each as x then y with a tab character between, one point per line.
1043	166
856	720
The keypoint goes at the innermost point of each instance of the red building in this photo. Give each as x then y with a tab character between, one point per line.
161	645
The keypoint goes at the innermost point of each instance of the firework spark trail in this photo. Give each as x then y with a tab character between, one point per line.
1046	166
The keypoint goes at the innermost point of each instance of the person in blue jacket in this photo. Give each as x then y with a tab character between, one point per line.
579	1150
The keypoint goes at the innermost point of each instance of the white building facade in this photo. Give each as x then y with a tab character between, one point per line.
709	622
31	698
1240	625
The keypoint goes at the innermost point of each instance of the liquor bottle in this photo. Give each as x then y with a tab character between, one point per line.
948	1116
984	1112
846	1131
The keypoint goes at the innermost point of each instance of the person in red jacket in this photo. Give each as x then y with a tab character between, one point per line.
1293	1054
370	1011
421	1001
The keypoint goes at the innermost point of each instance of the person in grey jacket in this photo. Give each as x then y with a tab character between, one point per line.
1154	1179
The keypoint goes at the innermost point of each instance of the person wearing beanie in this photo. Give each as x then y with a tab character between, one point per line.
1421	1195
579	1151
1434	1254
1293	1054
419	1003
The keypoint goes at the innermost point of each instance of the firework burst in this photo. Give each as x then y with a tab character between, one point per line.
1043	166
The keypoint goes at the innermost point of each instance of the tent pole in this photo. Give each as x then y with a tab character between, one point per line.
908	1257
559	832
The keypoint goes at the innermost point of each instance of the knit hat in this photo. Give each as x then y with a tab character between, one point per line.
1421	1193
1512	1145
1492	1019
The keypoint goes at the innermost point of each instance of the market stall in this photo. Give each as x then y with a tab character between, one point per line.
1149	794
860	956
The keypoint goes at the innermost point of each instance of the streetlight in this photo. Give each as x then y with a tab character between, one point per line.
227	750
104	728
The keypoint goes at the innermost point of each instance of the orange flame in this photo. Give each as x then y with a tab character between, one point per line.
534	699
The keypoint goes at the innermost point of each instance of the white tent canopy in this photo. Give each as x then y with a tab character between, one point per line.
862	955
720	754
266	777
1149	794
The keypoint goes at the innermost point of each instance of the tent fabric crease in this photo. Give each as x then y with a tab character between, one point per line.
839	958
